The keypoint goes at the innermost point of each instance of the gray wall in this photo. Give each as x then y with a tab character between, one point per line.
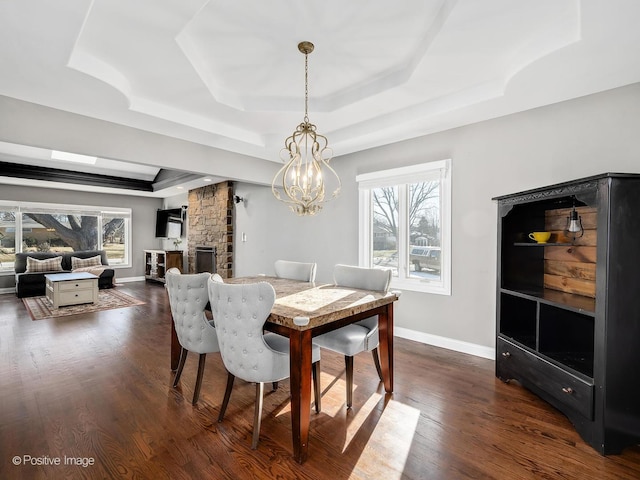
573	139
569	140
143	219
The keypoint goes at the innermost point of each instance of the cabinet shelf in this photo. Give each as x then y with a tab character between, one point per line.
547	244
576	303
580	362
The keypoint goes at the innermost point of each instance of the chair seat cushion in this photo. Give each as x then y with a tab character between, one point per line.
281	344
348	340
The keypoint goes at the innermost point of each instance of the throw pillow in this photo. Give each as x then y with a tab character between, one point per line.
77	262
47	265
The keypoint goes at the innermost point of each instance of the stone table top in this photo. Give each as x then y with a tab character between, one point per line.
321	303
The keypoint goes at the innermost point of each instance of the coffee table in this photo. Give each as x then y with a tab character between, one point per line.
65	289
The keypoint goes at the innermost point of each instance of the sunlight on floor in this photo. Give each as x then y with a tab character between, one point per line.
395	424
395	428
362	415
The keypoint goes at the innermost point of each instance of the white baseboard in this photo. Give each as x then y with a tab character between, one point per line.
129	279
444	342
7	290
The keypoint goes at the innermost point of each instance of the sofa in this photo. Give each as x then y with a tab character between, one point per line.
33	283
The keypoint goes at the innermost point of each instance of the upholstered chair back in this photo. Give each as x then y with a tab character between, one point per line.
240	312
305	272
361	336
188	297
215	277
366	279
361	277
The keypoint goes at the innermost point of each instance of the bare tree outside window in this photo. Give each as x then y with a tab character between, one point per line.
423	221
59	232
113	239
385	227
424	213
70	232
7	239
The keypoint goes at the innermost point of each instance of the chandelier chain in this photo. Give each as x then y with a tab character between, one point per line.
306	87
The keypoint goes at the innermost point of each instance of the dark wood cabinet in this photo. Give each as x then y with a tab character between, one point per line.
568	311
157	262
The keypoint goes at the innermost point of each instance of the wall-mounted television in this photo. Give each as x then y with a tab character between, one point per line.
169	223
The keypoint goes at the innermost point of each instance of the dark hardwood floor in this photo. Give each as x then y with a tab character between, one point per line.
98	386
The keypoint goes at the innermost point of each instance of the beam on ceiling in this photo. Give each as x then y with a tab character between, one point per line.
67	176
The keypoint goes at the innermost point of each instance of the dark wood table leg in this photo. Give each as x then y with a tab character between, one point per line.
300	384
385	332
175	347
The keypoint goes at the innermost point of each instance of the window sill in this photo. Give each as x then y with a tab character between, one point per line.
420	286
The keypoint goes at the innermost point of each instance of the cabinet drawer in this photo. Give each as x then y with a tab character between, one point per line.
73	285
76	297
531	369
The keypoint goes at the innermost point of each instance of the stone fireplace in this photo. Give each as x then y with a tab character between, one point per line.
211	225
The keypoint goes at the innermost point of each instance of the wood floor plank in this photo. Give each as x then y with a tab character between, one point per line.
99	386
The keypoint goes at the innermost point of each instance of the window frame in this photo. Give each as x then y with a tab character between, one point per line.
402	177
54	208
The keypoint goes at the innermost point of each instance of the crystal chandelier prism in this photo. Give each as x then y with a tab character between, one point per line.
306	175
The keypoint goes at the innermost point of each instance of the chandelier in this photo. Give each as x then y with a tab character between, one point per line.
306	174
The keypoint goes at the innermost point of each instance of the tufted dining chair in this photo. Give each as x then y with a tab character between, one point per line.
239	312
305	272
361	336
188	297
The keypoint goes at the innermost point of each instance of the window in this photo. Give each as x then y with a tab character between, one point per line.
115	237
405	223
31	227
7	237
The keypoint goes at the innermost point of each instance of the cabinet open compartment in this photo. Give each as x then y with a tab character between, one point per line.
567	337
518	319
564	263
561	334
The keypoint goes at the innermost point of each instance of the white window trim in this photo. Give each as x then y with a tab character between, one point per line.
398	177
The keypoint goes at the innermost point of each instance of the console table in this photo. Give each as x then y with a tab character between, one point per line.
157	262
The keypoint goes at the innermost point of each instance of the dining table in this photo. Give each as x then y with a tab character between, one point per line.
303	310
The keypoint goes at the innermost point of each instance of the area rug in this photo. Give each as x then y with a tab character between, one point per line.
39	307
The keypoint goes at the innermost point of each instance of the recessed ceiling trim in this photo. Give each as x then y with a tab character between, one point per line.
93	66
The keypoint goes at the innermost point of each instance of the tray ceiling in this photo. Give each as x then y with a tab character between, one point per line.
228	74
